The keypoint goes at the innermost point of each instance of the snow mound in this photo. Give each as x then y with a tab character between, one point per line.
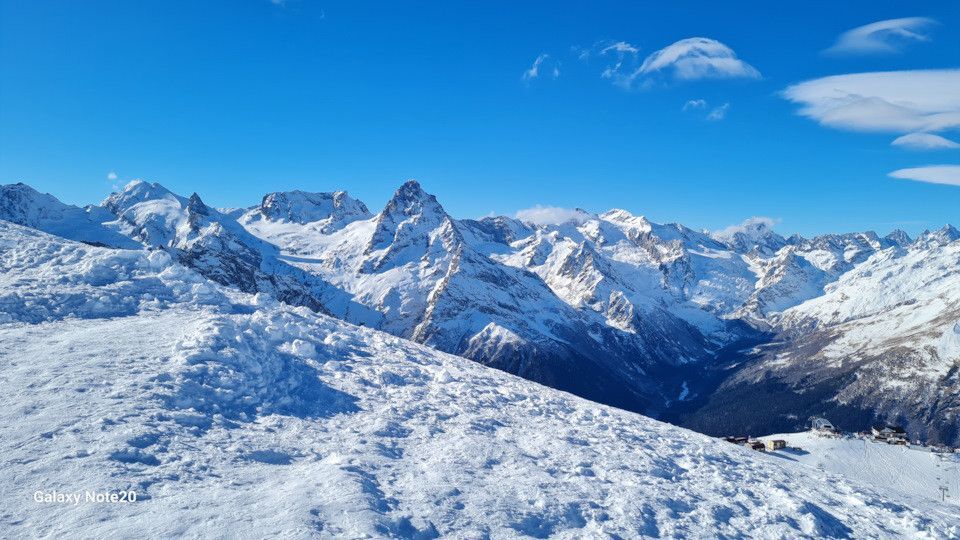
43	277
227	368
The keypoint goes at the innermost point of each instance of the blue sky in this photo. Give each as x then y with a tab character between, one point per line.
236	99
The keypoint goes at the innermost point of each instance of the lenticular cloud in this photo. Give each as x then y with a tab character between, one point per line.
698	58
890	101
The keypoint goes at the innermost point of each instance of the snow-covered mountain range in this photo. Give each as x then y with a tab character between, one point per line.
660	319
231	414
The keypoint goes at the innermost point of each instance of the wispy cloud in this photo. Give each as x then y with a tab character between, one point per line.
543	66
891	101
933	174
552	215
111	176
716	113
924	141
694	104
882	37
719	113
687	60
625	62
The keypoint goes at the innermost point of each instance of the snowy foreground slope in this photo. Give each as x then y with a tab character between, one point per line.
233	415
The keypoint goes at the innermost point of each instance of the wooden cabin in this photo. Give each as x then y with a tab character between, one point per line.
889	433
776	444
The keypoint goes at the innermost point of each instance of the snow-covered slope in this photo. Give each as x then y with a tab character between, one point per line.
233	415
892	469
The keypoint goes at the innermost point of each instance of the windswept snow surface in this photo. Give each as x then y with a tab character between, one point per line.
232	415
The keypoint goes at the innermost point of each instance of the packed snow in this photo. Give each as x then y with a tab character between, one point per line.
233	415
917	471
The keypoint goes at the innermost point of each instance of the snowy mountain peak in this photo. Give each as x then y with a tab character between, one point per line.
409	214
23	205
946	234
196	206
333	210
631	225
582	215
949	232
411	227
617	214
754	234
136	192
410	199
899	238
18	187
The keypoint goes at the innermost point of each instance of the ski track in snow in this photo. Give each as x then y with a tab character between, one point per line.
233	415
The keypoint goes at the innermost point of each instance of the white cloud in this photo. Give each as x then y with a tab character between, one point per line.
112	176
924	141
934	174
694	104
545	64
698	58
882	36
719	113
552	215
755	227
893	101
688	59
620	47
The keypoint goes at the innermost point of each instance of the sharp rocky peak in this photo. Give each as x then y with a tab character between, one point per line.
409	204
410	199
899	238
196	205
951	231
946	234
410	223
